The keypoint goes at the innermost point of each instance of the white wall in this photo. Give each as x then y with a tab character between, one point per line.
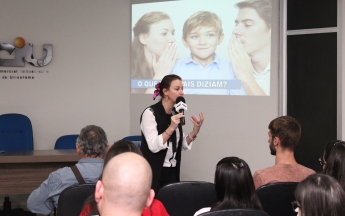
88	79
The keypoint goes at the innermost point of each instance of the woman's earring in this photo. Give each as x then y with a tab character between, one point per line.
167	98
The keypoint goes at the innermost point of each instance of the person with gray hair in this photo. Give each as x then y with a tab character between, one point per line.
125	188
91	146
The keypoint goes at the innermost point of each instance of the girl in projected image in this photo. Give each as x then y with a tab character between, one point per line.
153	48
234	186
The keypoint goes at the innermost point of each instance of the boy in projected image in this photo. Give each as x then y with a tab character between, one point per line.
202	33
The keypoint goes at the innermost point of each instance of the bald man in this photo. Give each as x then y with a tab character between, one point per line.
125	188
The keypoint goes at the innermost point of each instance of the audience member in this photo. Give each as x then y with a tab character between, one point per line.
91	146
335	163
284	134
319	195
122	146
125	188
234	186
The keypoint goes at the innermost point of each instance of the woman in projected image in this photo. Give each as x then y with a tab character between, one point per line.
250	46
153	48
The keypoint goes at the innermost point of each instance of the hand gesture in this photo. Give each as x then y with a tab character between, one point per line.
240	60
197	122
243	67
165	64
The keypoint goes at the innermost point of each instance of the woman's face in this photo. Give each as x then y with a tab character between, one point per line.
160	35
175	90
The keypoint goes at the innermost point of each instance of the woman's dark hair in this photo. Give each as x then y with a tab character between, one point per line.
320	195
234	185
328	148
117	148
140	68
335	163
166	82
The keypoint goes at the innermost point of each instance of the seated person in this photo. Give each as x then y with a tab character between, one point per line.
234	186
319	195
284	134
333	161
125	188
92	145
121	146
202	33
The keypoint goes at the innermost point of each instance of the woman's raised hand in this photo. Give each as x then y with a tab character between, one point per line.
197	123
165	64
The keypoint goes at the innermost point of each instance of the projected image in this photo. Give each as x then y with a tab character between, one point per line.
219	47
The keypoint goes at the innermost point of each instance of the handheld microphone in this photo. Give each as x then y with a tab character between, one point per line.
180	107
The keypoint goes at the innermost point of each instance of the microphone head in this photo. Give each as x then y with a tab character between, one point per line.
179	99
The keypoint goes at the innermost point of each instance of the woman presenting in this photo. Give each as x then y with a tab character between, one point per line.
162	135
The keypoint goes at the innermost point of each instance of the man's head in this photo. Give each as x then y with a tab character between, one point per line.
125	186
284	131
92	142
253	25
202	33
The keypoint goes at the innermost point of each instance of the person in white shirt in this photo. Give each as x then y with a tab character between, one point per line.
162	134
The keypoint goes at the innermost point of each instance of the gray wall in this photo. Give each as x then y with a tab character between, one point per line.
88	79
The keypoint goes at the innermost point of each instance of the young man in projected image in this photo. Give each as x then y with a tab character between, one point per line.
250	46
202	33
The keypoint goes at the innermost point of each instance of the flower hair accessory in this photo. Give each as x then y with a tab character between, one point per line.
158	89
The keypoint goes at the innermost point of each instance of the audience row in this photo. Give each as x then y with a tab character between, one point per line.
124	186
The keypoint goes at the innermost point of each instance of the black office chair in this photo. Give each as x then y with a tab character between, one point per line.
185	198
276	198
236	212
72	199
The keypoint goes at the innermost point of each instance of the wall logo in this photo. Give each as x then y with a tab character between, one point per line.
23	53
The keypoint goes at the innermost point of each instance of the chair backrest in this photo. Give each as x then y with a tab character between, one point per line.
72	199
276	198
236	212
185	198
135	139
15	132
66	142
